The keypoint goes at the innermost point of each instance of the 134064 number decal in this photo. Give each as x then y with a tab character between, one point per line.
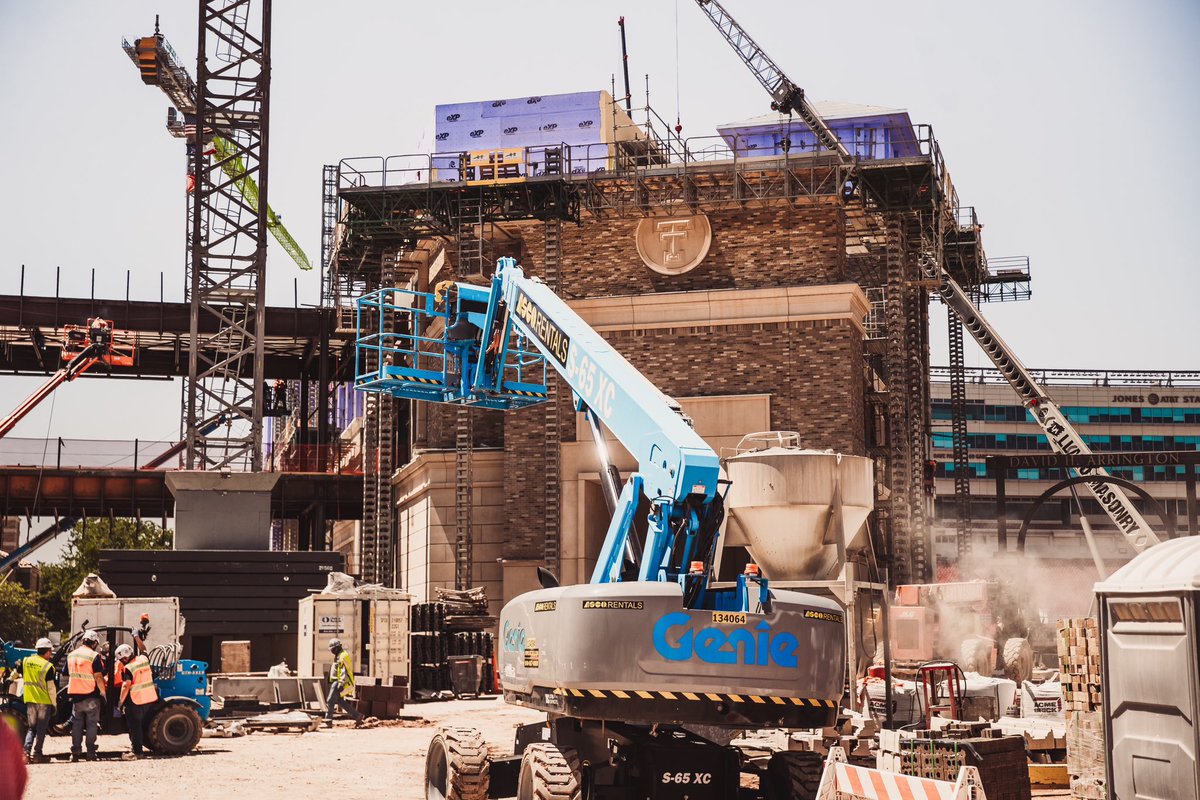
698	778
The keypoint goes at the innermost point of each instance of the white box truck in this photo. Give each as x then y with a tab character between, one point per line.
166	624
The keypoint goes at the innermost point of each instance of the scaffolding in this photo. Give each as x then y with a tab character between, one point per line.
897	210
228	237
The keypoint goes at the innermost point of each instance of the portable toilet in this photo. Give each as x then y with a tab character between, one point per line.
1150	661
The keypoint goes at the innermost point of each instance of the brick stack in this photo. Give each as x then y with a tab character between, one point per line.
940	754
855	735
1079	657
383	702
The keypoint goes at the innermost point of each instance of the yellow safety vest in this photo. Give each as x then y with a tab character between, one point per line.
141	689
342	671
79	665
37	688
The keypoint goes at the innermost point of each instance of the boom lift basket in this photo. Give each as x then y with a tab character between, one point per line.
119	347
428	345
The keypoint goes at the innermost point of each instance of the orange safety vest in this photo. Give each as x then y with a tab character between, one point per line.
79	665
141	688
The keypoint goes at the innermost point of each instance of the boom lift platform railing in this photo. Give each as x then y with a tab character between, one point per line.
83	347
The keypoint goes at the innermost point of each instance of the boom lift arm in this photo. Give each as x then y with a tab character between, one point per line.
677	471
83	361
494	338
1062	436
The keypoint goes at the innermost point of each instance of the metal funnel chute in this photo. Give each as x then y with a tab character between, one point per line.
797	511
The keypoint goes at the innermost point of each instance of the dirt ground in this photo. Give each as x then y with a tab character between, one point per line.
341	762
383	762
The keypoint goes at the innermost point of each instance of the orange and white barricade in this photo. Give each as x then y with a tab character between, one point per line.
842	781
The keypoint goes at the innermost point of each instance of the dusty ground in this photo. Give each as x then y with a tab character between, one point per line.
385	762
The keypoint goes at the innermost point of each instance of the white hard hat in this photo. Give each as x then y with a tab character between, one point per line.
334	644
91	636
124	651
43	644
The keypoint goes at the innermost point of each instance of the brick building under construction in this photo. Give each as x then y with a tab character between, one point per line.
758	280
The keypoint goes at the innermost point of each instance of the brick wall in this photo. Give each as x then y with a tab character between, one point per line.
751	249
812	370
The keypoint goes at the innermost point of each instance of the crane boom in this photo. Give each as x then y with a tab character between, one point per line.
786	96
160	66
1062	436
492	337
1060	433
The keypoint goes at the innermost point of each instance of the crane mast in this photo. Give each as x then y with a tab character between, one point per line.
1060	433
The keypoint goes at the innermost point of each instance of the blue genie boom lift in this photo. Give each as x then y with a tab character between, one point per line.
638	667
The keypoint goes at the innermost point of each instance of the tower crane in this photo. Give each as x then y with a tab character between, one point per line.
160	66
788	97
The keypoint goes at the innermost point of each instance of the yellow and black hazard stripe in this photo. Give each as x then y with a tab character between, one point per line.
416	379
524	393
714	697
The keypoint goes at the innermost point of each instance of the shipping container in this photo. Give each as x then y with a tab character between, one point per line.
373	626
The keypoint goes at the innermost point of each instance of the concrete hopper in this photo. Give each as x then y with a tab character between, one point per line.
797	510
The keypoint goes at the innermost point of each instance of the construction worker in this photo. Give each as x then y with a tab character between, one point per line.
85	687
137	694
341	684
141	632
40	690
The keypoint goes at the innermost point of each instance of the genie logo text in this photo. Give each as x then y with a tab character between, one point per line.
514	637
676	639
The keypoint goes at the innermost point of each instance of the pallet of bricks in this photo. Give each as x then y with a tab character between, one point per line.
940	754
382	702
457	624
1079	660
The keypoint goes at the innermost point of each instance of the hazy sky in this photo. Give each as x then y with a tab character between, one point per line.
1070	126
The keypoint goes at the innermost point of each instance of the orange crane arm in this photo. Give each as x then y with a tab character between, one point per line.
80	364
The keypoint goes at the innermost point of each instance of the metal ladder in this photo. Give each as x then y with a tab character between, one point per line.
378	467
958	428
550	434
463	500
471	237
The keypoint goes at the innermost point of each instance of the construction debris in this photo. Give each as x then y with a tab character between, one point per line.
286	722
